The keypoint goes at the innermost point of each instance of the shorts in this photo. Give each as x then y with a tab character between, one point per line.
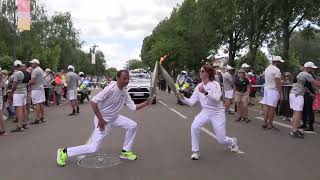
241	97
19	100
270	97
228	94
296	102
37	96
72	95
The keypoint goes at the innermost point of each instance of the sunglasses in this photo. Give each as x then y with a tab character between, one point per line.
202	71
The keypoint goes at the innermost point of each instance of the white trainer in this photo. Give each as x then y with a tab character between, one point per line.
234	147
195	156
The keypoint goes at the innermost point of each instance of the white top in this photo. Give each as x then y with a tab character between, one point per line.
212	102
111	100
270	74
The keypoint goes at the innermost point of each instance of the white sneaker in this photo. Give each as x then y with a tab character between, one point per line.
195	156
235	147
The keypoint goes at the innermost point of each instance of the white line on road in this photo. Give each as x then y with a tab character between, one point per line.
161	102
181	115
203	129
286	125
215	137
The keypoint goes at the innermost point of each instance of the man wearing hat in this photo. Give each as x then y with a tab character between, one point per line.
272	92
246	68
296	96
228	85
72	85
37	90
19	96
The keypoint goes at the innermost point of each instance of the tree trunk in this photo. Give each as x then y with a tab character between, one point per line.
286	39
232	50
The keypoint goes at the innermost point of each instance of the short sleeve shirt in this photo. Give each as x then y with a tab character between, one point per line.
228	81
298	88
72	81
38	74
241	84
21	88
270	74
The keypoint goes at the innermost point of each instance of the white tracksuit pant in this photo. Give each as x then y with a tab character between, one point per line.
218	121
98	136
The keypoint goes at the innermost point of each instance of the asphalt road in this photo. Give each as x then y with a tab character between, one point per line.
163	146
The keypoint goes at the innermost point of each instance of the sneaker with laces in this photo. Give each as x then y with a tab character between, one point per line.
234	147
25	126
18	129
195	156
61	157
129	155
3	133
297	134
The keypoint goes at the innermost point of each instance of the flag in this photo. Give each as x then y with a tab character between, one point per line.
24	17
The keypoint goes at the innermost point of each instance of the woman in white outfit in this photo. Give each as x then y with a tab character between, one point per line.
208	93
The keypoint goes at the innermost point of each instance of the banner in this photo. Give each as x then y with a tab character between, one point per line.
93	58
24	17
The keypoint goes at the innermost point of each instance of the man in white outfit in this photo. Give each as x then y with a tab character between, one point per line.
296	96
72	85
272	92
37	90
106	106
208	93
228	85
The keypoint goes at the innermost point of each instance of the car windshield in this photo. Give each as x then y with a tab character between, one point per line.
139	76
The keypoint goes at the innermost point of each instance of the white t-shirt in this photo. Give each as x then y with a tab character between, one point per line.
111	100
270	74
211	102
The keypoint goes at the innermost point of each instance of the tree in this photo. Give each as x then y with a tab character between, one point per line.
135	64
111	72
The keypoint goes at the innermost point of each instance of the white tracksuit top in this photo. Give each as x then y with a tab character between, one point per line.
111	100
210	103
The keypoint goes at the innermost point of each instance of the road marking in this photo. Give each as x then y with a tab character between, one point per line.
161	102
215	137
203	129
286	125
181	115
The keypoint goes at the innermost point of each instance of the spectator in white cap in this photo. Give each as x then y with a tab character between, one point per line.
296	96
228	85
272	92
37	90
246	68
72	85
19	96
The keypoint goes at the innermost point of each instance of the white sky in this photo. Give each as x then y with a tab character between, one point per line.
116	26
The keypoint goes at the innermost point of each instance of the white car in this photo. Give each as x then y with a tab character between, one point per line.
139	86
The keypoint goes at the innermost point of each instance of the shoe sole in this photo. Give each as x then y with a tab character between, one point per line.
195	159
125	158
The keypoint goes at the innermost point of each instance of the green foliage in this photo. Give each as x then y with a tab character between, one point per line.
111	72
52	39
196	28
135	64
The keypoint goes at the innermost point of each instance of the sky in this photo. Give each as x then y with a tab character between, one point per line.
118	27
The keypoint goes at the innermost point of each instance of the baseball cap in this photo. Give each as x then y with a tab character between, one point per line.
241	71
35	61
229	67
245	65
310	65
17	63
71	67
277	58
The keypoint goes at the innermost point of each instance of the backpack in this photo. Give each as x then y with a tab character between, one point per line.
27	77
